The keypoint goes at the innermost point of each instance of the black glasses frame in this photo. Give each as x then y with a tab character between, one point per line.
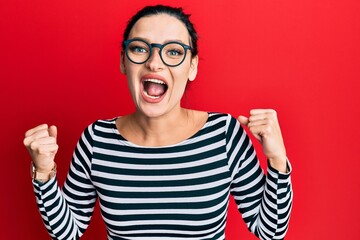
151	46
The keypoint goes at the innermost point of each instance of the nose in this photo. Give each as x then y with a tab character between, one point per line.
154	63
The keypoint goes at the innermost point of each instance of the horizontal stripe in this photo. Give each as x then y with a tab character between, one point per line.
180	191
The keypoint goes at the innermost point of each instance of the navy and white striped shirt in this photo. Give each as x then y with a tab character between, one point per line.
173	192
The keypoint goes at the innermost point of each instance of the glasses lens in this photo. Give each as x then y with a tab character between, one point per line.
173	54
138	51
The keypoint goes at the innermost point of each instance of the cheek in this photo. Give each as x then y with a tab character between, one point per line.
133	84
180	78
132	81
183	72
180	83
132	71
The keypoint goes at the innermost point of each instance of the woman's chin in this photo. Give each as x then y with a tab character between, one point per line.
151	113
156	110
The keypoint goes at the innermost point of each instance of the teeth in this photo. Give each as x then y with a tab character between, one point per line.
155	81
153	97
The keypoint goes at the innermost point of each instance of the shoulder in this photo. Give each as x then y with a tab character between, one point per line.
227	122
222	122
226	118
101	126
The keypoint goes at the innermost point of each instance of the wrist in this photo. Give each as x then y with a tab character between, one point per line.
280	164
42	175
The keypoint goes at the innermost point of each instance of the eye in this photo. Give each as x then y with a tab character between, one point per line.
138	49
174	50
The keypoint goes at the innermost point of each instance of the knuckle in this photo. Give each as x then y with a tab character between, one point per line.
26	142
273	113
268	129
27	133
44	133
33	146
42	151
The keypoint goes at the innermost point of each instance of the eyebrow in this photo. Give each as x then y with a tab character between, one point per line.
170	40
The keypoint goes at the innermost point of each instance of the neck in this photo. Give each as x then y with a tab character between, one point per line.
162	130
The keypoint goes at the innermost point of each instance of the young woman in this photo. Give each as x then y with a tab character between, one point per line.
164	172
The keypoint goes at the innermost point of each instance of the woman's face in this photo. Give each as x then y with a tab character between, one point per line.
156	88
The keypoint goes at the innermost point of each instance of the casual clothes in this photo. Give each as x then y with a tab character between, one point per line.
173	192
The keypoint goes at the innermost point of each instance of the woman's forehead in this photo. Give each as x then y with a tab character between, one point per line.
160	28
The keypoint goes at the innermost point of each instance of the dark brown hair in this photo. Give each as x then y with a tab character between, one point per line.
172	11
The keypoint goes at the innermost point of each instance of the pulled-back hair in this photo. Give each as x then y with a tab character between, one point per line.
172	11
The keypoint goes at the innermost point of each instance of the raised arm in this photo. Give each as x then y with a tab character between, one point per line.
263	200
67	213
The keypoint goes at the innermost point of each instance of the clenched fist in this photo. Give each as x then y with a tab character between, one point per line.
264	125
41	144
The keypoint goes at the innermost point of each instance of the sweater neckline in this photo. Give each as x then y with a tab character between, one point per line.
180	143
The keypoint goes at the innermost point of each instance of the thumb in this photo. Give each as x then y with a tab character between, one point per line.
243	120
53	131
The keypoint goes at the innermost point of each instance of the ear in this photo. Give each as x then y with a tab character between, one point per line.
193	68
122	63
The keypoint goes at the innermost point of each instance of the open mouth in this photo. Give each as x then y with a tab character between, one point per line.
154	88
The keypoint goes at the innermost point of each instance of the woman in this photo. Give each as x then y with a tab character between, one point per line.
164	171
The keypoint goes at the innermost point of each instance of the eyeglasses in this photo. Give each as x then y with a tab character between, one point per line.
139	51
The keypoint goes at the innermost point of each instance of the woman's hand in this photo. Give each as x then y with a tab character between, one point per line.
41	144
264	125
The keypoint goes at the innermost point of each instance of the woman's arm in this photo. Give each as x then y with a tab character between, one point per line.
264	201
66	214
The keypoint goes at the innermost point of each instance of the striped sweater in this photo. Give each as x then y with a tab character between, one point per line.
173	192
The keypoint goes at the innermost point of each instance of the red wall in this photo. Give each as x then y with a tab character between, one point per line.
59	64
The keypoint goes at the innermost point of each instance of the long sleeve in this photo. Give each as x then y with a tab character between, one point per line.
66	213
264	201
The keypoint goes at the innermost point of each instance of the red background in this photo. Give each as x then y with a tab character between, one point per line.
59	64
